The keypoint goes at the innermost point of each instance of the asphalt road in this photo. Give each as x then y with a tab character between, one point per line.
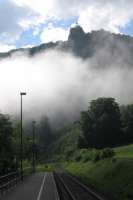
36	187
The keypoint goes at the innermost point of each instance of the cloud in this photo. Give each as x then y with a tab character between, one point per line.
60	85
12	18
54	34
38	6
27	46
108	15
92	15
6	48
17	16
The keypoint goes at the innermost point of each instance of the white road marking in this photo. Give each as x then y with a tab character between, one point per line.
56	191
41	188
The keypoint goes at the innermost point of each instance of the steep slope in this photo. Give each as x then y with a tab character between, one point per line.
101	46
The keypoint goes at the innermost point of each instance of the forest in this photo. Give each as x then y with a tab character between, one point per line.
105	124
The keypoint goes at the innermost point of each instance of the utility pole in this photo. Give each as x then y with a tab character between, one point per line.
21	137
33	147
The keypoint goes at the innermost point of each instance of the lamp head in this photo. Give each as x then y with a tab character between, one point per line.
22	93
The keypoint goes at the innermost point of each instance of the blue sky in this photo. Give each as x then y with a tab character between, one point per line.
128	29
28	37
25	23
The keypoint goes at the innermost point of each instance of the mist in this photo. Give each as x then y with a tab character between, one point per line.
59	85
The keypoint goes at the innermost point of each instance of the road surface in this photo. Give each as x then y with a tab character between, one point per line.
36	187
46	186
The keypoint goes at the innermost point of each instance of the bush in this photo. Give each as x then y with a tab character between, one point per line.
82	155
78	158
107	153
114	160
93	155
86	157
96	156
69	154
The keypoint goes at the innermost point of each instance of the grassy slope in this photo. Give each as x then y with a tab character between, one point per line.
125	151
113	177
65	145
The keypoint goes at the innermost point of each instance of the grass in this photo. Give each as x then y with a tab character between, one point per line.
45	168
113	176
124	151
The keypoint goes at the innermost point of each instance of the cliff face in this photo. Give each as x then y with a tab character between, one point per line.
101	44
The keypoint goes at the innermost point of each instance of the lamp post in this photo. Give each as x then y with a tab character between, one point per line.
33	146
21	137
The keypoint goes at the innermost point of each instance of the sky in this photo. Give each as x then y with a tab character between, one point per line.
27	23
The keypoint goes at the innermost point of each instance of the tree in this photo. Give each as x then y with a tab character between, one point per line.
6	147
27	144
101	123
127	122
45	134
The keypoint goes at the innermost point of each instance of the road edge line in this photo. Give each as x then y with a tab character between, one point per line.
41	188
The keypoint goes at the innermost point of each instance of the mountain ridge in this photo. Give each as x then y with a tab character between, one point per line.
86	45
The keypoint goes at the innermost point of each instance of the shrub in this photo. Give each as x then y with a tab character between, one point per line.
114	160
96	156
69	153
86	157
78	158
107	153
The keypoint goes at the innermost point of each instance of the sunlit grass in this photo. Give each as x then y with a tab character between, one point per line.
45	168
112	176
124	151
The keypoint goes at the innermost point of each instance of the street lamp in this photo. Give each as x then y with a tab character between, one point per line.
33	146
21	137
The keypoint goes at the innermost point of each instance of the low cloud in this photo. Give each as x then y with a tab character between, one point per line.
6	48
59	84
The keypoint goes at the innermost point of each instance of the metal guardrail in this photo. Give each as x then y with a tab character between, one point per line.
11	179
8	181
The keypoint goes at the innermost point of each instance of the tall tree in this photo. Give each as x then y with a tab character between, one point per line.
45	134
127	122
6	147
101	123
27	144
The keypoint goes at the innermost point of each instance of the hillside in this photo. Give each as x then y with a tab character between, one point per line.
65	145
101	46
113	177
124	151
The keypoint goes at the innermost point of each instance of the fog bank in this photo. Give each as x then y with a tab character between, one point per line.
59	84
